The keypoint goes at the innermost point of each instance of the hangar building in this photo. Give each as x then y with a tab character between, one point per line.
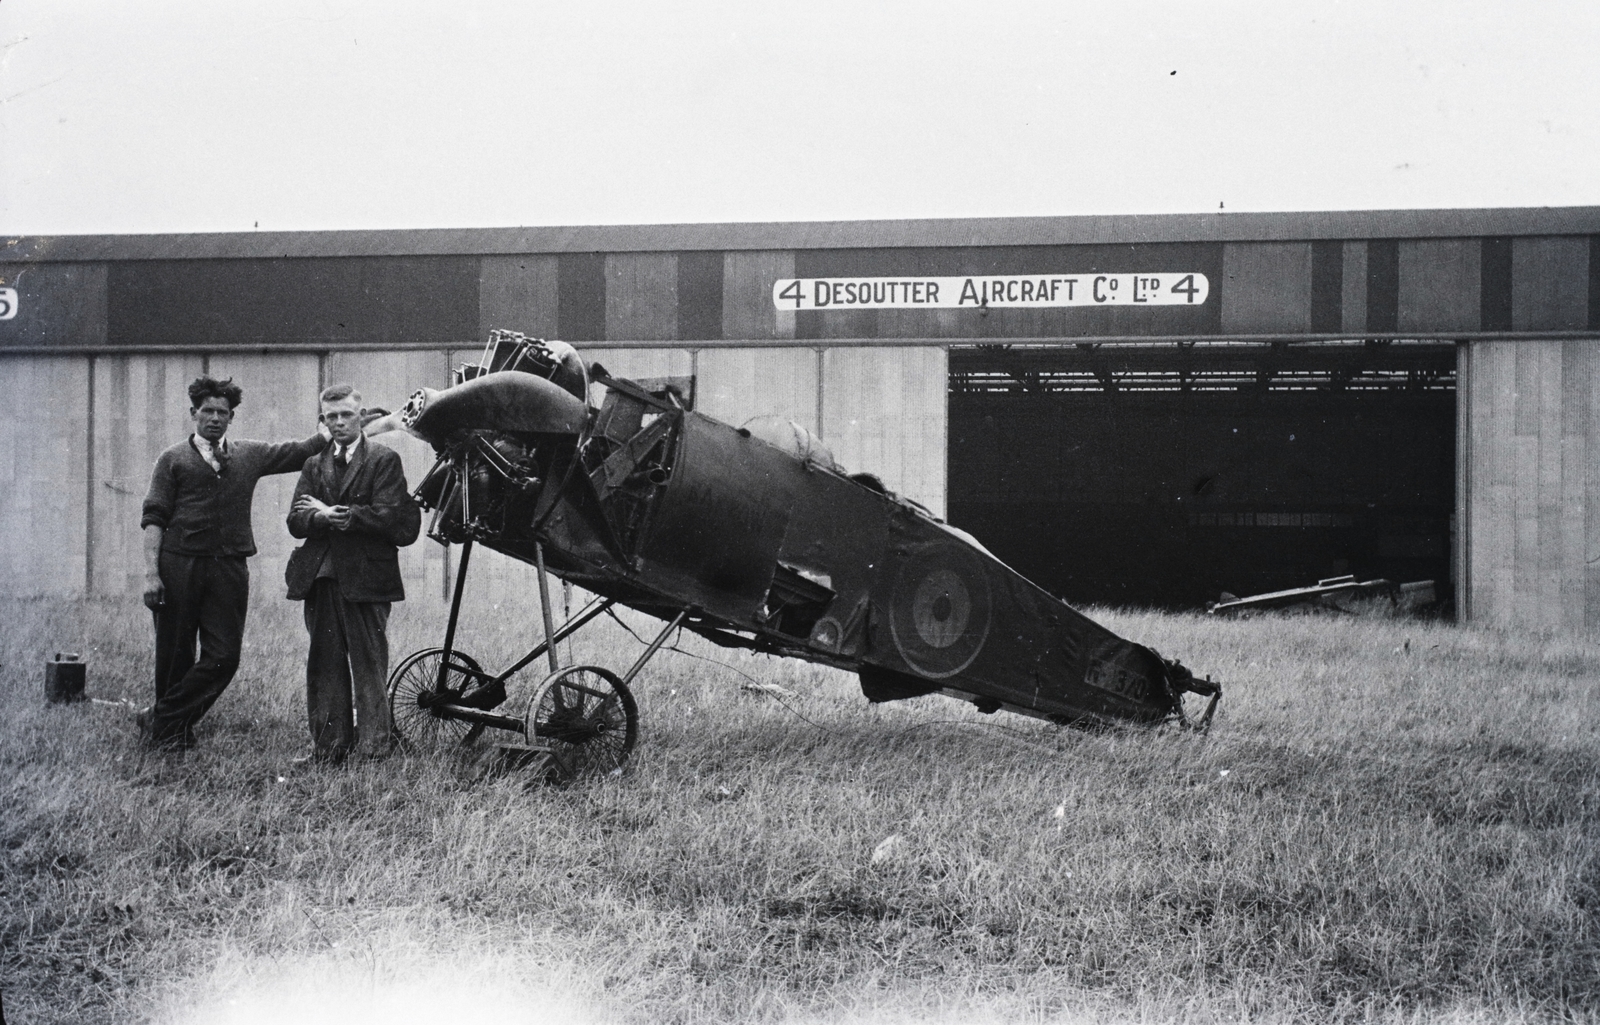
1128	409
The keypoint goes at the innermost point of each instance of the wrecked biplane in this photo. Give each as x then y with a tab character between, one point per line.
751	537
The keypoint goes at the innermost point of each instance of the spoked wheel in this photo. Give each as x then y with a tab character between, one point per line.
414	690
588	718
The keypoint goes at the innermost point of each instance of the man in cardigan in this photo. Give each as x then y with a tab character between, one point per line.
197	536
354	510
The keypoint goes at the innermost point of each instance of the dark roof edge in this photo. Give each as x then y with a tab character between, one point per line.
954	232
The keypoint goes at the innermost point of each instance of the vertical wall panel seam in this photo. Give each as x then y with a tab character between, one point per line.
821	361
88	490
1463	552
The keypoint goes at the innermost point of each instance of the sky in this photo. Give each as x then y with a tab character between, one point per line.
180	116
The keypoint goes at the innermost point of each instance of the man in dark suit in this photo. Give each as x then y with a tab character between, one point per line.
354	510
196	523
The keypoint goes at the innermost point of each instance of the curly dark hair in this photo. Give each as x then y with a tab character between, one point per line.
203	387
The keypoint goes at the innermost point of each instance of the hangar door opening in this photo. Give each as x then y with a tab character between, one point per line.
1163	475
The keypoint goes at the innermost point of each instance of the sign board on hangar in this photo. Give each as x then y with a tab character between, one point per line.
1020	291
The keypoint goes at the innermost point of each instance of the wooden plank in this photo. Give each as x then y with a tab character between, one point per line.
1493	479
1440	281
1529	472
1353	288
700	295
1526	394
1546	611
57	304
642	296
1549	284
280	404
1327	286
747	307
1576	371
884	413
518	293
1266	287
141	407
1593	320
581	296
1523	469
1508	462
1570	557
43	465
1525	529
1383	284
1578	357
1591	491
1461	534
1494	284
735	385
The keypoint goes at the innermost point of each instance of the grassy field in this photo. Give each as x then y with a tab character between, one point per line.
1390	821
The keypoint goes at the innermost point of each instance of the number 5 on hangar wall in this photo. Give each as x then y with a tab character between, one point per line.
8	303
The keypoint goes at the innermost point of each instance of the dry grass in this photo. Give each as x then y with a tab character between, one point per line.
1390	821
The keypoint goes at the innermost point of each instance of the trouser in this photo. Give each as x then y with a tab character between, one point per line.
206	597
349	658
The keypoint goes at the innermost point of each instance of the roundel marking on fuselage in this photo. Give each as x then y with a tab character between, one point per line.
941	610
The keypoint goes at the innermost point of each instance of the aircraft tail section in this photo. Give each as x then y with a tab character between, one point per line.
951	617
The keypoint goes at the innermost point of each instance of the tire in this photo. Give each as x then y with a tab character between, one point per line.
412	684
587	717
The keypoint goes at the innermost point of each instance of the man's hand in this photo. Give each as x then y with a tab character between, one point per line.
335	516
155	593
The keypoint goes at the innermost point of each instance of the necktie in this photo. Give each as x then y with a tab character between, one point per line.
341	460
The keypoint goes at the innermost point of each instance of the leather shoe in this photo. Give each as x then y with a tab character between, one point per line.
146	723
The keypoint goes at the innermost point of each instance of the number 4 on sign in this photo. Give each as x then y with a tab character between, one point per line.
8	303
793	292
1185	286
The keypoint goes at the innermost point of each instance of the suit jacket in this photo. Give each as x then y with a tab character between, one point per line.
383	518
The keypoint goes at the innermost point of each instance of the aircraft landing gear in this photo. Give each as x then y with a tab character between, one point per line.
582	720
